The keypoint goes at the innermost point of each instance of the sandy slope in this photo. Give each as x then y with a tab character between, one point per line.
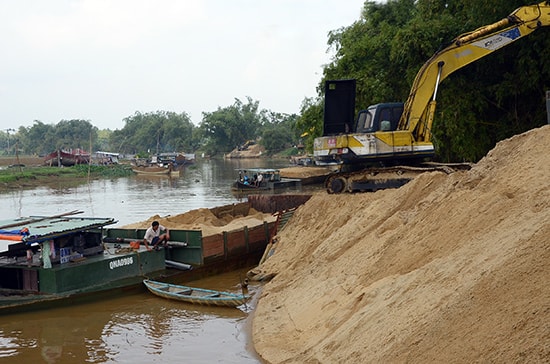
203	219
447	269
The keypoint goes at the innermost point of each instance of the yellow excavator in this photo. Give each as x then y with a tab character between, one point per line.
392	139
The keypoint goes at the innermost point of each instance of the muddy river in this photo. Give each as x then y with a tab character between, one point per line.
138	328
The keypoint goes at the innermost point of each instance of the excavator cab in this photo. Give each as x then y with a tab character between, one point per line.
379	117
340	108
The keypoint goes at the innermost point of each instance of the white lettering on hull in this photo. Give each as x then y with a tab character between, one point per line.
121	262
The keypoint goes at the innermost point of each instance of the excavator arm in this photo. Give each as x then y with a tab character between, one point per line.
420	106
390	142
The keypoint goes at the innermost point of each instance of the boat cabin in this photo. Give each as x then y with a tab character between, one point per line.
34	245
262	179
250	175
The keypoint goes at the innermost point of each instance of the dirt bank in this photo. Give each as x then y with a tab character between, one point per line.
447	269
30	161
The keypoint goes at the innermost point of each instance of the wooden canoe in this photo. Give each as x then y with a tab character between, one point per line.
195	295
152	170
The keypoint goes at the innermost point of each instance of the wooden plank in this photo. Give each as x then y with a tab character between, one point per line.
212	245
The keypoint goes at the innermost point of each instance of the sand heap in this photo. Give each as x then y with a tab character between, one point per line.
205	220
305	172
447	269
252	151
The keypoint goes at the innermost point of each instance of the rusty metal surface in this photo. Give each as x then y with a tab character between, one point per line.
276	203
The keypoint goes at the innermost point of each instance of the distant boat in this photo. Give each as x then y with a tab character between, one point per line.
67	158
247	180
153	170
195	295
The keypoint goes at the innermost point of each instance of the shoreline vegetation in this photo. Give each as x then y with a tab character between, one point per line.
28	172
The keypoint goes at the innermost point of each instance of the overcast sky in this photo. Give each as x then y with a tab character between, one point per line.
103	60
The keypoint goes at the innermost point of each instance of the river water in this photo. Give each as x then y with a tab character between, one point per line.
136	198
138	328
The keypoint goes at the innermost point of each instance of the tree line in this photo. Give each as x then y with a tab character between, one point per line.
494	98
150	133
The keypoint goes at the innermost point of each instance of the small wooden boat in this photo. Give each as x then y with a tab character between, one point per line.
195	295
153	170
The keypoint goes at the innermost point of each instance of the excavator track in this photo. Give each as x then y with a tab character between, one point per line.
374	179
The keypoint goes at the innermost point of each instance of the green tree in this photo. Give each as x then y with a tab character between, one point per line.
150	133
310	123
43	138
38	139
70	134
103	140
480	104
227	128
278	132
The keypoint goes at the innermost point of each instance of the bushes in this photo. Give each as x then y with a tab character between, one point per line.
13	177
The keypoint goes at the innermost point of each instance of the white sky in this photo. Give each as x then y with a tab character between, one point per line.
103	60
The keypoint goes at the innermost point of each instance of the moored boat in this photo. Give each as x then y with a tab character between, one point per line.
67	158
195	295
258	179
153	170
209	251
62	257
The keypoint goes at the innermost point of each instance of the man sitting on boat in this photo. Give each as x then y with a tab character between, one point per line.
153	236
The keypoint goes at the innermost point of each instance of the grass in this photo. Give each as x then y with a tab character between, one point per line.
13	177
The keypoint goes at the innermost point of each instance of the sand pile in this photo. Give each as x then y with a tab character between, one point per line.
305	172
205	220
447	269
252	151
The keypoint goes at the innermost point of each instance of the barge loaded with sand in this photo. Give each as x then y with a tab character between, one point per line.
52	261
212	241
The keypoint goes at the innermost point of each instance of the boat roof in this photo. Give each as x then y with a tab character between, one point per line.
41	228
259	170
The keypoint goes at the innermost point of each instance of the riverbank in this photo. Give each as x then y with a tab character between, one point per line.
29	172
27	160
448	268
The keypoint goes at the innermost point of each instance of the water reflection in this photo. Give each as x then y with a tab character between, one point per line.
203	185
138	328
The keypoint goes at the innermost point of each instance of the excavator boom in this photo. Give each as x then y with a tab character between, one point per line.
394	134
463	50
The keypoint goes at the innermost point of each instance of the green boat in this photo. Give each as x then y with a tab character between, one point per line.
262	179
63	258
200	296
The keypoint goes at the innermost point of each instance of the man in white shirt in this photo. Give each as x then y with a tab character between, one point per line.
153	236
259	179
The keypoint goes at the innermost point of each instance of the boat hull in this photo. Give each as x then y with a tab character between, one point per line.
248	180
86	280
152	171
195	295
67	158
267	185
